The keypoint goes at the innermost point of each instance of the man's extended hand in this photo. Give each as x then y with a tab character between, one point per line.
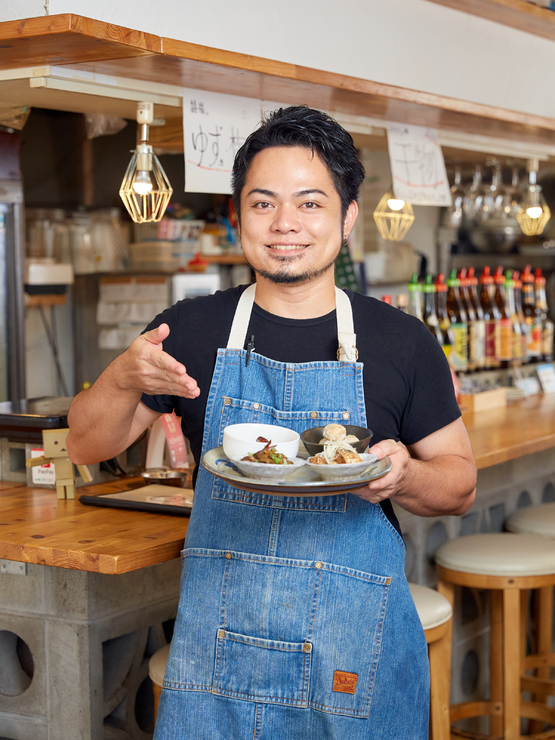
146	368
391	483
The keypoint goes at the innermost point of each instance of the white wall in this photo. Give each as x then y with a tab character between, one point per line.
411	43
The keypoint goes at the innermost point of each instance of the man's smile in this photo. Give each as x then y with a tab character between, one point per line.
287	247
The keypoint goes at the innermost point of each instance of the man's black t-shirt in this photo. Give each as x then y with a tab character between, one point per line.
407	383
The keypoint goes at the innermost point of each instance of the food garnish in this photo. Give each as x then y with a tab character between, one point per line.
337	448
268	455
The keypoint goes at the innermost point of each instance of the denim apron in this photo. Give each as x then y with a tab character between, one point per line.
295	619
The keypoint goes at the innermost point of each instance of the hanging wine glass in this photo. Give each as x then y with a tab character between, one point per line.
497	194
474	199
455	211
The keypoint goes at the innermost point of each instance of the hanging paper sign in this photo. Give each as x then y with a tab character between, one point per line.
417	165
214	127
176	441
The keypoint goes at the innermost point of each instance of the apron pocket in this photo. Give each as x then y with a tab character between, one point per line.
255	669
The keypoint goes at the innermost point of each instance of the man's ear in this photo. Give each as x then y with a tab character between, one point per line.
350	217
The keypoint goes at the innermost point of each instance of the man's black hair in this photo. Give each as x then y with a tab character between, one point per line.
314	130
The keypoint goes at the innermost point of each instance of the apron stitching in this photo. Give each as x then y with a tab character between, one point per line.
314	603
378	644
274	531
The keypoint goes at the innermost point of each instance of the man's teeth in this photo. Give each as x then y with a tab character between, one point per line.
287	247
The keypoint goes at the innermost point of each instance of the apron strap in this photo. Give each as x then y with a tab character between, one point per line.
238	332
346	336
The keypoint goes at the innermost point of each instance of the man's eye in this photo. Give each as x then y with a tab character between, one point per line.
262	204
310	204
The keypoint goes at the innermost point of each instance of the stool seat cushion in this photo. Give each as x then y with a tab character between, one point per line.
538	520
157	665
499	554
433	608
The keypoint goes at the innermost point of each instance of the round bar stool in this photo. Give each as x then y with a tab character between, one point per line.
156	670
538	521
507	565
435	614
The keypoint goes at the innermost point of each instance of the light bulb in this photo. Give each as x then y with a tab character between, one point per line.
395	204
534	211
142	184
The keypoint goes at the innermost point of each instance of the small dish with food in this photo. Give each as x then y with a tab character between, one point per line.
342	471
268	464
240	440
317	438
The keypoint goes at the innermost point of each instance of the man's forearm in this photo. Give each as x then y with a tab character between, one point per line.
100	420
443	485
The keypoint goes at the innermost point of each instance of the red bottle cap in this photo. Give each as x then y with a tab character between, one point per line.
441	286
485	277
472	279
527	276
539	279
499	276
387	299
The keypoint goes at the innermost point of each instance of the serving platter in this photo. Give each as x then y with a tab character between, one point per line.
304	481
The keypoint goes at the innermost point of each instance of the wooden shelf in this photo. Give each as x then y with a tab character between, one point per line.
107	49
515	13
44	299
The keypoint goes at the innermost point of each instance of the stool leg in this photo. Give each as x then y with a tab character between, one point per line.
544	624
512	663
448	590
496	661
440	656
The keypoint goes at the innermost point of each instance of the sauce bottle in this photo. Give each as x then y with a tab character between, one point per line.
443	316
430	316
459	324
415	297
520	314
402	302
491	319
516	328
532	316
505	345
479	330
547	324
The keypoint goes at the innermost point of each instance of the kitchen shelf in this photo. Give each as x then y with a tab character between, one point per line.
104	49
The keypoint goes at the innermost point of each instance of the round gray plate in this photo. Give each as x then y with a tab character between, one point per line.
302	482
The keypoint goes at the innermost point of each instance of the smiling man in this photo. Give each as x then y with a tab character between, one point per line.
295	619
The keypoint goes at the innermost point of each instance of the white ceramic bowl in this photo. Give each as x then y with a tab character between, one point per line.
267	471
240	439
343	472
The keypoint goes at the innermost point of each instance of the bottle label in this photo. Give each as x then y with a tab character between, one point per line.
517	341
534	336
547	340
459	351
505	349
491	340
477	343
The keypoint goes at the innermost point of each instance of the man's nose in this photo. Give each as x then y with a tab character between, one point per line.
286	219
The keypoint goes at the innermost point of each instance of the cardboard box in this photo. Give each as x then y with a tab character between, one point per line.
485	400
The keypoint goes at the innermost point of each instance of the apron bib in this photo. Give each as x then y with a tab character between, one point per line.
295	619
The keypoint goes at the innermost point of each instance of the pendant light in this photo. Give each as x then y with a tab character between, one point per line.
145	189
534	212
393	217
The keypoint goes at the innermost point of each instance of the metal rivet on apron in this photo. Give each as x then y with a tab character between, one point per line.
319	564
313	414
388	581
256	405
227	401
228	555
345	414
221	633
307	647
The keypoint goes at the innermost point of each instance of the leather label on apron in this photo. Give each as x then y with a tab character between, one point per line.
345	683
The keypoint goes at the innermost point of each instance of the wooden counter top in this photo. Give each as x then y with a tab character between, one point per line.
36	527
520	428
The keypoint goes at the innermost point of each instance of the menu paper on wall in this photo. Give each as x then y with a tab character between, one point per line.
417	165
214	127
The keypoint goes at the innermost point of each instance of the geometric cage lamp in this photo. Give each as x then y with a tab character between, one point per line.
534	212
145	189
393	217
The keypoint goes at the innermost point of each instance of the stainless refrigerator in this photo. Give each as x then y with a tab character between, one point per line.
12	259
